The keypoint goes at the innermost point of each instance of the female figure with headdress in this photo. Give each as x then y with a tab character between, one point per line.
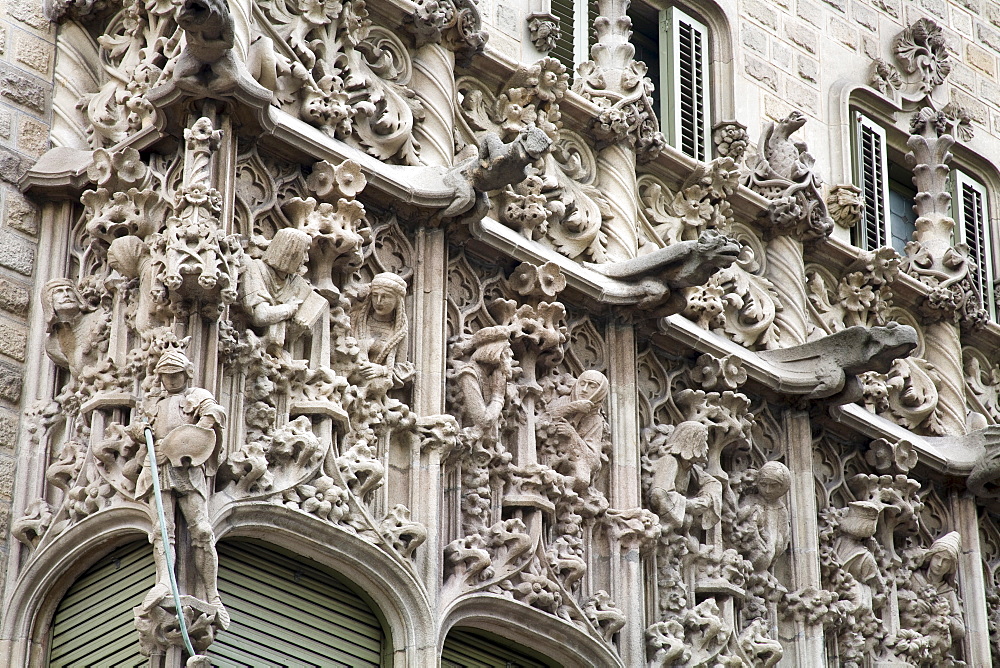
929	603
380	326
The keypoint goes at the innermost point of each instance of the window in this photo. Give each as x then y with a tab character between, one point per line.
674	47
575	31
972	224
886	189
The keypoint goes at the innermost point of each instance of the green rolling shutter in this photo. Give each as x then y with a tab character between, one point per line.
290	612
468	648
285	611
93	624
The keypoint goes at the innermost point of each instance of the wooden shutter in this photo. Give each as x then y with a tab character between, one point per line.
973	225
685	83
565	50
871	174
93	624
466	648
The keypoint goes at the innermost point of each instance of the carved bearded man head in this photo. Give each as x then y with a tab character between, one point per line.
61	301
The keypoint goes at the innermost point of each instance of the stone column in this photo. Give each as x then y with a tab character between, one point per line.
625	492
626	128
931	258
806	645
971	580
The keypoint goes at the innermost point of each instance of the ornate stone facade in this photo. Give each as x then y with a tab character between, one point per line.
447	317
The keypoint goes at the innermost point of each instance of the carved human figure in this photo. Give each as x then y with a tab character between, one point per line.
187	426
73	331
764	518
483	379
275	295
381	328
680	490
854	554
931	594
582	429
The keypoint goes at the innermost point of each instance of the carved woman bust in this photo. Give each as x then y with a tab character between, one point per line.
582	429
381	328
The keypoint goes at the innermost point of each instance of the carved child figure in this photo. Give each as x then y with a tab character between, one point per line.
380	326
764	516
73	331
582	429
187	426
274	293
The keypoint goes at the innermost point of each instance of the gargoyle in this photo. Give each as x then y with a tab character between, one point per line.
984	479
496	166
660	276
832	363
207	63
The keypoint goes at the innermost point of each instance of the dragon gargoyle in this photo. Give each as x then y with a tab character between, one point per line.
830	366
984	479
496	166
659	277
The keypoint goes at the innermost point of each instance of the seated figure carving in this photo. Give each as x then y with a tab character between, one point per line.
380	325
276	297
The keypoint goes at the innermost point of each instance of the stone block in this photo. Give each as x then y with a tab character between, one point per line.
3	39
810	12
865	17
16	253
974	6
844	32
961	22
20	214
990	92
963	77
23	89
991	12
890	7
754	38
801	35
839	5
977	110
981	59
8	429
14	297
802	97
36	54
988	36
13	339
760	11
808	69
870	46
7	466
938	8
775	108
30	14
762	72
12	165
33	137
782	55
6	123
11	381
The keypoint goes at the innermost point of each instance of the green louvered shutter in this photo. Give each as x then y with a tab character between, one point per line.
93	624
287	611
467	648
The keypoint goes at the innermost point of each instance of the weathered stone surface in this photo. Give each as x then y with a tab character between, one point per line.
13	297
23	89
18	253
11	380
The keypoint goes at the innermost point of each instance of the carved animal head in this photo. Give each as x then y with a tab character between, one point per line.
204	16
791	123
717	251
887	344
